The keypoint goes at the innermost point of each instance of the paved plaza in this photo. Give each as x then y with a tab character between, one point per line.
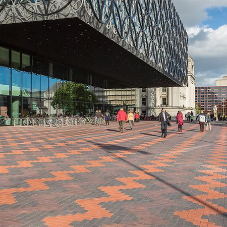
95	176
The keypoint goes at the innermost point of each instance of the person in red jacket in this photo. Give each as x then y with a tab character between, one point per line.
180	121
121	118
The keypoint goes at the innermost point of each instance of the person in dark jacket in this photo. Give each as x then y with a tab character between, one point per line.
107	117
163	118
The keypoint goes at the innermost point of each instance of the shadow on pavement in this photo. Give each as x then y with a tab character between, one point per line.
108	148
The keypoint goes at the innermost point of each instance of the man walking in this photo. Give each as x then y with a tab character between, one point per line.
163	118
121	118
202	120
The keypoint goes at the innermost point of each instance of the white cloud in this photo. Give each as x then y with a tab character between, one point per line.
209	43
207	46
193	12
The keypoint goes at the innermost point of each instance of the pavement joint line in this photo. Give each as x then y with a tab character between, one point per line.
86	139
6	195
195	216
93	207
27	163
208	162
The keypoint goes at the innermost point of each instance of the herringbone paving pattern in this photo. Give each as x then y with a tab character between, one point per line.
95	176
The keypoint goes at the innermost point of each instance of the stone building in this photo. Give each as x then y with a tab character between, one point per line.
150	101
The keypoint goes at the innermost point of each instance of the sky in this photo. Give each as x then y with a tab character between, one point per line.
206	25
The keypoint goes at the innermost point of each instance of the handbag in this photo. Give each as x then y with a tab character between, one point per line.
168	123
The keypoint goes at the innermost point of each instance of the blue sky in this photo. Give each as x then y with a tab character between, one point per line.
206	24
217	17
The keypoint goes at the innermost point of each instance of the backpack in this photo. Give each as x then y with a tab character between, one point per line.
202	118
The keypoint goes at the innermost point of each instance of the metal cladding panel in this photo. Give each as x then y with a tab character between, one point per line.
149	29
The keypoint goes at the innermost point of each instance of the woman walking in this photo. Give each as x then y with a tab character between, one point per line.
180	121
131	119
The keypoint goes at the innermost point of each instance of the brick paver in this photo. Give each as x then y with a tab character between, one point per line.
95	176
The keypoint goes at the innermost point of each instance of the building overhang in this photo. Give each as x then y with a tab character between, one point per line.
80	40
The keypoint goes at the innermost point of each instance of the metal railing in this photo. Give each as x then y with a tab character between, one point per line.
53	121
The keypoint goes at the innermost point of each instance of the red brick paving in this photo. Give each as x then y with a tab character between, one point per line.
96	176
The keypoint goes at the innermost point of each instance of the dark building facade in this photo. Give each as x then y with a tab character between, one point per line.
208	97
102	44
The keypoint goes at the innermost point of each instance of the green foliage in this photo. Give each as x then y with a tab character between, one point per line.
73	98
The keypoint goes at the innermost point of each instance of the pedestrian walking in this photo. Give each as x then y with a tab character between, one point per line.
192	116
208	122
96	118
137	117
163	118
121	118
180	121
197	117
107	117
99	117
131	119
202	120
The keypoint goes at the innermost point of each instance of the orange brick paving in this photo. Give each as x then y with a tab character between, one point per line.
96	176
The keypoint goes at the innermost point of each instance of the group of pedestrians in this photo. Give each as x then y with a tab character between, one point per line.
99	117
122	117
164	119
204	120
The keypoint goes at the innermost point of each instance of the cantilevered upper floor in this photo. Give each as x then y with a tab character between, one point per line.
142	43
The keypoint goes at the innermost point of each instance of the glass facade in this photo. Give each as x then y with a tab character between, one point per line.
208	97
30	86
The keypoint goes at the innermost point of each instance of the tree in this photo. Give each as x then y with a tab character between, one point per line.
197	109
73	98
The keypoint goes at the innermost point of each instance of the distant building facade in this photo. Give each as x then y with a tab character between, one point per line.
150	101
208	97
222	81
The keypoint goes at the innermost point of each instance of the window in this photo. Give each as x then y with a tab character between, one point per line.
4	56
164	89
164	101
144	101
16	74
15	60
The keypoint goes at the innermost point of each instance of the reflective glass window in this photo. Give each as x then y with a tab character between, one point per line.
26	76
26	63
16	107
16	82
4	80
15	60
4	56
27	107
36	85
16	74
53	86
26	90
4	71
44	86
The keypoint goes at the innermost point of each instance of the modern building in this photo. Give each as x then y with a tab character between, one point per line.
209	97
101	44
